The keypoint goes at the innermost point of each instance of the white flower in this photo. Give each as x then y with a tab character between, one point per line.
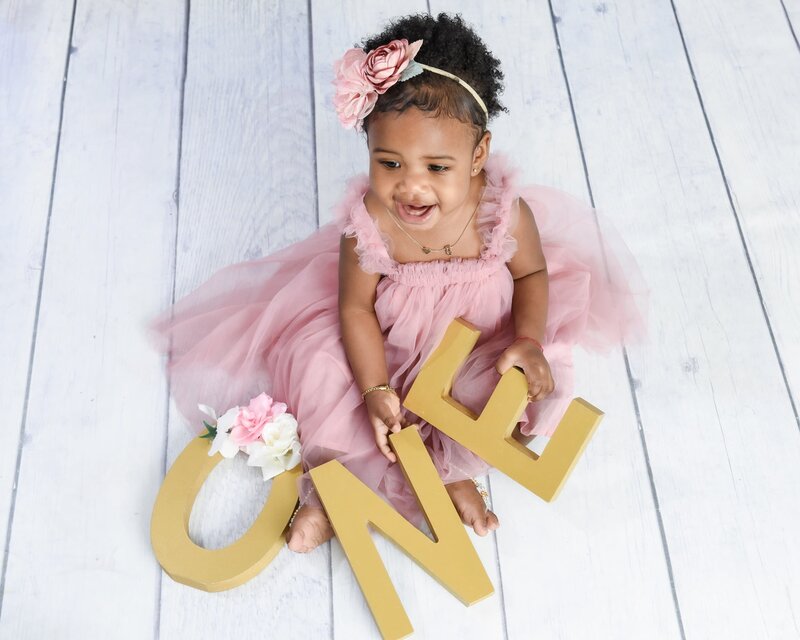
278	448
209	411
222	441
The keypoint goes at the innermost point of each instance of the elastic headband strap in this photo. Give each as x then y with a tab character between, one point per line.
447	74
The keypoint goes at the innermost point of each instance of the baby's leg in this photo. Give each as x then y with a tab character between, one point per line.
309	526
457	465
308	529
471	508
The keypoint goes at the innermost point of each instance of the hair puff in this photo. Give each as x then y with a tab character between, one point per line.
448	44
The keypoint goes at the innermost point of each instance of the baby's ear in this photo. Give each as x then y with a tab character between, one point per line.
481	153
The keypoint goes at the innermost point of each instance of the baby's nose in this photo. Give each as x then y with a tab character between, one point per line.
413	187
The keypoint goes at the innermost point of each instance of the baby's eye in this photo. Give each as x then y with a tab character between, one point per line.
389	164
438	168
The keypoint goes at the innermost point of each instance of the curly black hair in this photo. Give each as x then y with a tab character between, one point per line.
449	44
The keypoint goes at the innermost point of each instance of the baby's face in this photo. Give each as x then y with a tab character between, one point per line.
421	167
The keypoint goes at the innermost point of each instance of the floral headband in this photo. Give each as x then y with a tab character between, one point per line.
361	77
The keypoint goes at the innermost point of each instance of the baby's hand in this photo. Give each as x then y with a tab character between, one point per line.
531	360
383	408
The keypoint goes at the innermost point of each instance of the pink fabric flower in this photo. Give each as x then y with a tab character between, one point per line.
252	419
385	63
355	96
360	78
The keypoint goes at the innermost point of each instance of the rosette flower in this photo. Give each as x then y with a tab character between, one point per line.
385	64
359	78
354	95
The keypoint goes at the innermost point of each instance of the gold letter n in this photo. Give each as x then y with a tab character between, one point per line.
450	558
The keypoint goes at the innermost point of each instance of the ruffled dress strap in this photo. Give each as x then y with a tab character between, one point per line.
499	209
354	221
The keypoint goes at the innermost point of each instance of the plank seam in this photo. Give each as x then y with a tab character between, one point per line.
313	97
651	480
330	591
313	108
736	217
176	198
500	591
791	26
32	353
654	493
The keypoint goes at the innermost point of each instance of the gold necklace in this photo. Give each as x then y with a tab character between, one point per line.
448	248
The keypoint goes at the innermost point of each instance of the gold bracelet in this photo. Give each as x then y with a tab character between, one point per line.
379	387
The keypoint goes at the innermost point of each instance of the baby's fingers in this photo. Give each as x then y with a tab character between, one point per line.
504	362
537	395
539	390
385	450
382	440
383	445
534	390
394	425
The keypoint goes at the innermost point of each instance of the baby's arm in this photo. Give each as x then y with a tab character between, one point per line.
529	307
361	333
363	343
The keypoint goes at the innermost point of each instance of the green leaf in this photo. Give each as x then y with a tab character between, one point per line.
211	431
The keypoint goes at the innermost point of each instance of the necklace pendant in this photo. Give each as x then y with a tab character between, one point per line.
448	250
426	250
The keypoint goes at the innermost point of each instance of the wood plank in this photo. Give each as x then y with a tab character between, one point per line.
750	88
34	37
246	137
590	564
721	435
80	563
247	189
341	154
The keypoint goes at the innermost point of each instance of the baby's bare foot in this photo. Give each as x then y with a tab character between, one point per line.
310	528
471	508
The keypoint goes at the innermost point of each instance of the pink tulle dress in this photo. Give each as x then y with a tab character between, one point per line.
271	324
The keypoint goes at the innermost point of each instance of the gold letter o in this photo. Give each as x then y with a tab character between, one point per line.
215	569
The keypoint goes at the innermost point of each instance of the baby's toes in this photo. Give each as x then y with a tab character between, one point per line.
478	523
295	540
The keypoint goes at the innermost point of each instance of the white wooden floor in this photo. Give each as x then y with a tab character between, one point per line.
145	144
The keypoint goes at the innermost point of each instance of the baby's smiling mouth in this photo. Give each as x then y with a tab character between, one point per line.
412	209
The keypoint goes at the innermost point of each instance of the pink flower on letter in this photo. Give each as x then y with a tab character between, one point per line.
252	419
